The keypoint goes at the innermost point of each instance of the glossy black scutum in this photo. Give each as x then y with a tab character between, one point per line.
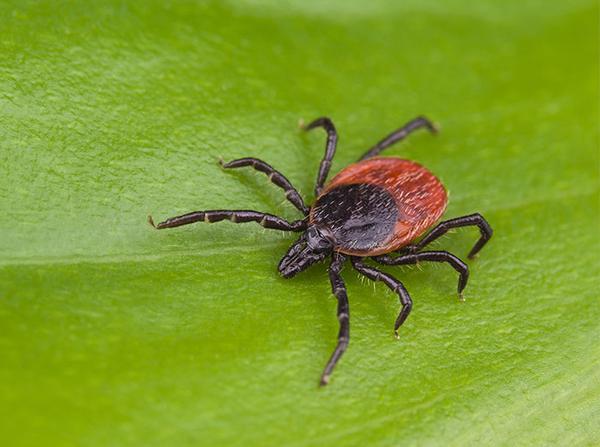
360	216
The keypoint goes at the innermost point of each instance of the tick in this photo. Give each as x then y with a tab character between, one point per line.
374	209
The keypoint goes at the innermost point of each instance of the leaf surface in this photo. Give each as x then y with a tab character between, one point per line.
115	334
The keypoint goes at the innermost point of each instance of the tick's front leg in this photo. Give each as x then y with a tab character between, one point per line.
236	216
275	176
343	313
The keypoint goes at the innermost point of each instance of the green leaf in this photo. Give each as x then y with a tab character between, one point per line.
116	334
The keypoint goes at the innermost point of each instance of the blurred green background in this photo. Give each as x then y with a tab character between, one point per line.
114	334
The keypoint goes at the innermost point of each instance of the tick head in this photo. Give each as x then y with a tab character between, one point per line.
312	246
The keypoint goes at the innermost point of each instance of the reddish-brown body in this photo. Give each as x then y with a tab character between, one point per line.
420	197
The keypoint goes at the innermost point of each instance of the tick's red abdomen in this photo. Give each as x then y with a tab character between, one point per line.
398	201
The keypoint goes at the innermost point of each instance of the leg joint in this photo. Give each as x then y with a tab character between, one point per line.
343	316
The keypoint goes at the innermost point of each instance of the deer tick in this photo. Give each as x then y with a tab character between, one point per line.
375	208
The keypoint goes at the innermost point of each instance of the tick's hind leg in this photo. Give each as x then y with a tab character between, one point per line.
275	176
432	256
330	146
464	221
400	134
395	285
343	314
235	216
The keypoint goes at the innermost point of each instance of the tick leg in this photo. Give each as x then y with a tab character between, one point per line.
433	256
343	314
235	216
330	146
395	285
400	134
275	176
464	221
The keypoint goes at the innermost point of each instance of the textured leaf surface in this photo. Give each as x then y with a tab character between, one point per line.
114	334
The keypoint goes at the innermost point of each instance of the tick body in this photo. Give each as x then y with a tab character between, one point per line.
376	209
379	205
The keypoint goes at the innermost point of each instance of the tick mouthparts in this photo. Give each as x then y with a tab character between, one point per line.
151	221
288	267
